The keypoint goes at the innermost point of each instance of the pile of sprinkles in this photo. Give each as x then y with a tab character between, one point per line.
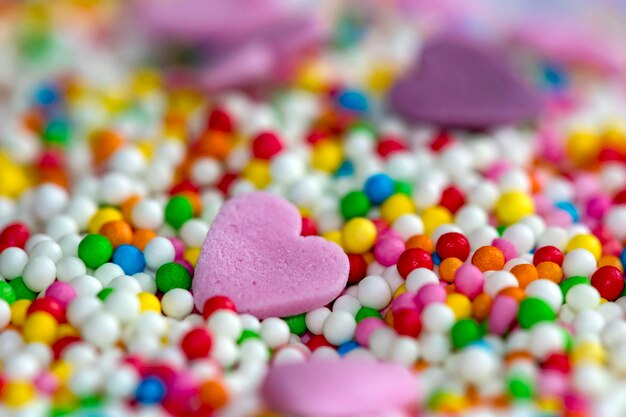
485	267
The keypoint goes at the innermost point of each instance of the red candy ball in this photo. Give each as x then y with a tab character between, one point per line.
220	121
48	305
309	228
217	302
440	141
317	341
15	234
557	362
387	146
413	258
407	322
453	245
452	198
266	145
609	281
358	268
225	182
548	254
197	343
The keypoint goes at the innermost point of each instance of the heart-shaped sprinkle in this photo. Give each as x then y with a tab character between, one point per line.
338	388
460	83
255	255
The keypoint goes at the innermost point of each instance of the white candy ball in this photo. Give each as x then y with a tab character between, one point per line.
102	329
12	262
70	267
158	252
339	327
347	303
438	318
374	292
408	225
39	273
147	214
226	323
579	262
315	319
274	332
582	297
420	277
404	351
123	305
177	303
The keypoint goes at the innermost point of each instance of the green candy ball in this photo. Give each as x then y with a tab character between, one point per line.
354	204
172	275
95	250
365	312
465	332
7	293
297	324
177	211
22	292
534	310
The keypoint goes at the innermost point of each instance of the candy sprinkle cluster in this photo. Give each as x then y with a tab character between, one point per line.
489	264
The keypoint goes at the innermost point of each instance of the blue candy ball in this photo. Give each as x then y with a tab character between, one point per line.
150	390
378	188
130	259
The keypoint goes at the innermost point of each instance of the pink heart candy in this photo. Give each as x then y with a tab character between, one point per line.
338	388
255	255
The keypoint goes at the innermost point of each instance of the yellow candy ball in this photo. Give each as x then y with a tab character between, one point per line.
18	311
585	241
62	370
460	305
333	236
103	216
327	156
583	147
396	206
66	329
512	206
18	393
399	291
359	235
191	255
257	172
435	216
40	327
148	302
588	351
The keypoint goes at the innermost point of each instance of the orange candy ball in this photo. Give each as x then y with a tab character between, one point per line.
481	306
118	232
550	270
420	241
214	394
448	267
488	258
142	237
525	274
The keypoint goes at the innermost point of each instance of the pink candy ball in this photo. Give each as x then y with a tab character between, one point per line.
428	294
552	382
405	300
559	218
507	248
179	247
62	292
387	250
502	315
46	383
597	206
469	281
365	328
